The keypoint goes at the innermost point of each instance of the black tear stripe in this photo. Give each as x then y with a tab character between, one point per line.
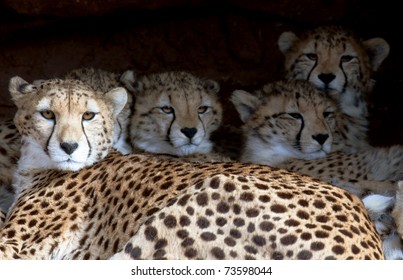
345	77
50	136
200	119
298	137
168	139
120	129
310	72
86	137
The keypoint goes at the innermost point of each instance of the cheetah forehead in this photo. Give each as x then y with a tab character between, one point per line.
298	94
331	36
64	95
176	88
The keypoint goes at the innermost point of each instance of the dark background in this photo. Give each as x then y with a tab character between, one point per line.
233	42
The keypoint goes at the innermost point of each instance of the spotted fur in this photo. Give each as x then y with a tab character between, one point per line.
142	206
372	175
10	142
339	62
374	170
175	113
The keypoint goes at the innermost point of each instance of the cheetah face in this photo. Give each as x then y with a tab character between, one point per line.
64	123
286	120
175	113
331	58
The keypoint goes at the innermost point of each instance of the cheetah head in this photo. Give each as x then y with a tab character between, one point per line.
334	60
64	124
174	113
285	119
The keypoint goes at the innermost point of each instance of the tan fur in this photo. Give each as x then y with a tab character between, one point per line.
175	113
179	210
337	61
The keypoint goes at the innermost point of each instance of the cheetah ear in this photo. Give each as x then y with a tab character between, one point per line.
118	97
211	86
286	41
245	103
131	82
19	88
377	49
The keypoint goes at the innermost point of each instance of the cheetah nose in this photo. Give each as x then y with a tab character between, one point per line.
189	132
69	148
320	138
326	78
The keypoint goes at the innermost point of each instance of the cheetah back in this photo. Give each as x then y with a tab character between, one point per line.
91	214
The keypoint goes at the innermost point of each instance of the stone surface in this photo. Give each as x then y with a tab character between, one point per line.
233	42
308	10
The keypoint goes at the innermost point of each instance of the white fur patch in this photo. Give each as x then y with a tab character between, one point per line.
378	203
43	104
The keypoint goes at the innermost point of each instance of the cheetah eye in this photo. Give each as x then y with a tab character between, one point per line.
49	115
312	56
296	116
328	114
202	109
346	58
88	116
167	109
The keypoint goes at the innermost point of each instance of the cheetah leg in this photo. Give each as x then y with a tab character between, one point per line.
363	187
397	212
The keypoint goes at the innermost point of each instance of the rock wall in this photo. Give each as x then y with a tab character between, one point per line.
233	42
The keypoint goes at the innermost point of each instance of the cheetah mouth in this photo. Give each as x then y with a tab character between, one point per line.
315	155
68	161
187	145
70	164
327	88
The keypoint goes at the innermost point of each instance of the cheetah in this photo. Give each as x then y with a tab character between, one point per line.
144	207
104	81
337	61
9	154
174	113
64	124
10	140
288	119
